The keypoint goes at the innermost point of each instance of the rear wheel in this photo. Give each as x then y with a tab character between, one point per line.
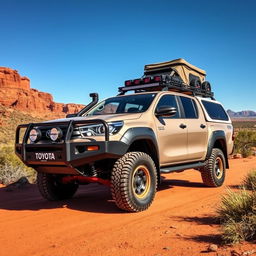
52	189
134	181
214	171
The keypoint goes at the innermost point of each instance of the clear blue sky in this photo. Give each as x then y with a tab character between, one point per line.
72	48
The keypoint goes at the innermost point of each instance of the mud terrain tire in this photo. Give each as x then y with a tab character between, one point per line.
52	189
134	182
213	174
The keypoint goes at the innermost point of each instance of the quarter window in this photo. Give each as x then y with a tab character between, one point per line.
189	107
215	110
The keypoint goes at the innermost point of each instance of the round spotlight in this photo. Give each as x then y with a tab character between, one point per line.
35	135
55	134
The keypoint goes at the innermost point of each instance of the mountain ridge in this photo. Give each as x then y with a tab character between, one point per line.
242	114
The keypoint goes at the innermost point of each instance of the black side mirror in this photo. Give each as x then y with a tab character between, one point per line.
166	111
70	115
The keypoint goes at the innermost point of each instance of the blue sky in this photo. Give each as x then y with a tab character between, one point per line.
72	48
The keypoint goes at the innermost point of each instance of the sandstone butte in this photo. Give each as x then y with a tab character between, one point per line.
15	93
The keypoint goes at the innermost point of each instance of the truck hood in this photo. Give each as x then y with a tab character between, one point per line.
107	118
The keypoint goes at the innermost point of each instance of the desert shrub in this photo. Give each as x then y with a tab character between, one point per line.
244	141
250	180
11	168
237	213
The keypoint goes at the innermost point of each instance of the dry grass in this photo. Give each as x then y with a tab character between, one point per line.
250	180
237	212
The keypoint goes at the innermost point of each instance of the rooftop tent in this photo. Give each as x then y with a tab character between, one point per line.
179	67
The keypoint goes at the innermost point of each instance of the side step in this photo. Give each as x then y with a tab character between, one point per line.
182	167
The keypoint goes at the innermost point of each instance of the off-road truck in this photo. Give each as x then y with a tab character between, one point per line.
169	123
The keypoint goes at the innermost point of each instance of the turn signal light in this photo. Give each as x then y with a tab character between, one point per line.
92	148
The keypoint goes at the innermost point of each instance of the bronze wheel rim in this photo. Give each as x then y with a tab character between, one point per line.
141	181
219	168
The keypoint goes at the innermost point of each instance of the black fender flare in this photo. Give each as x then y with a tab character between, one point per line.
218	135
142	133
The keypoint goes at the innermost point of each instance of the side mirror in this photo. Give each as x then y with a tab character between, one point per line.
166	111
71	115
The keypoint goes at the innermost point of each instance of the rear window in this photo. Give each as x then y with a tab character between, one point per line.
215	111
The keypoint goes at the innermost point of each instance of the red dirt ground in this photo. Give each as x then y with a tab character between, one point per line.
179	222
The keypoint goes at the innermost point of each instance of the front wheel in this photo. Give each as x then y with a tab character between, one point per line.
214	171
134	181
52	189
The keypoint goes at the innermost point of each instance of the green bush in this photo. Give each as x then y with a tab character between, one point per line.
250	180
11	168
237	213
244	141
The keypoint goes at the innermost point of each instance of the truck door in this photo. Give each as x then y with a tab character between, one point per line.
171	133
197	128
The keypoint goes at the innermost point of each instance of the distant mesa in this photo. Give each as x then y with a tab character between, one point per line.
15	92
242	114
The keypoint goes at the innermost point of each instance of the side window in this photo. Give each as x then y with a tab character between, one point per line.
215	110
189	107
169	100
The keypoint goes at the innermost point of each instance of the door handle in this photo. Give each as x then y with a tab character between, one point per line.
202	126
183	126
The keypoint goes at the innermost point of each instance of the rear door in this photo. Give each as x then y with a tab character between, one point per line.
171	133
196	127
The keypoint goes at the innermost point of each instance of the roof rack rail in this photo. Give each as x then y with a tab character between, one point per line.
166	83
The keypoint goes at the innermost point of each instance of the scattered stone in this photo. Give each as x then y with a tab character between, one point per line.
173	227
248	253
167	248
212	248
235	253
167	232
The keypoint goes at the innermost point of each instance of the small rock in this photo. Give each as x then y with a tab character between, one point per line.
237	156
167	232
173	227
212	248
166	248
235	253
248	253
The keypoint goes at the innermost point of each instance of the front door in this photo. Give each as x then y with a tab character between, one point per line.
171	133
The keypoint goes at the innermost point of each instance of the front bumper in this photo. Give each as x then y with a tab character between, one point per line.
68	155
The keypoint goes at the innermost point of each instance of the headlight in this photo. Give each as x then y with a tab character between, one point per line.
55	134
35	135
99	130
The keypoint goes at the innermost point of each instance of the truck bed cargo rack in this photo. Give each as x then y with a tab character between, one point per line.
163	83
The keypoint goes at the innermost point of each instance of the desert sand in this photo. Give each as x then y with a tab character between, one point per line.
179	222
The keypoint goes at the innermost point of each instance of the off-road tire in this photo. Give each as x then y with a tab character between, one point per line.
52	189
209	171
125	176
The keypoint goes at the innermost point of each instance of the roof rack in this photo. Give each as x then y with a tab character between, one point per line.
166	83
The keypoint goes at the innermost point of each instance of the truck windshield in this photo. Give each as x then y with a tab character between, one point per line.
123	104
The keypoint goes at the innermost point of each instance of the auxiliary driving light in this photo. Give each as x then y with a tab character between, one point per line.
35	135
55	134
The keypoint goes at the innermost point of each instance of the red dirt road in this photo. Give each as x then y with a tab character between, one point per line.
179	222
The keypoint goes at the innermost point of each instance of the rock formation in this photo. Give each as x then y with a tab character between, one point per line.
15	92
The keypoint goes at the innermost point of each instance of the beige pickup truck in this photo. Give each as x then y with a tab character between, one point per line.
168	124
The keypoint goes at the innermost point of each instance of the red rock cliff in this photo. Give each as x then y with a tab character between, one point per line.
15	92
